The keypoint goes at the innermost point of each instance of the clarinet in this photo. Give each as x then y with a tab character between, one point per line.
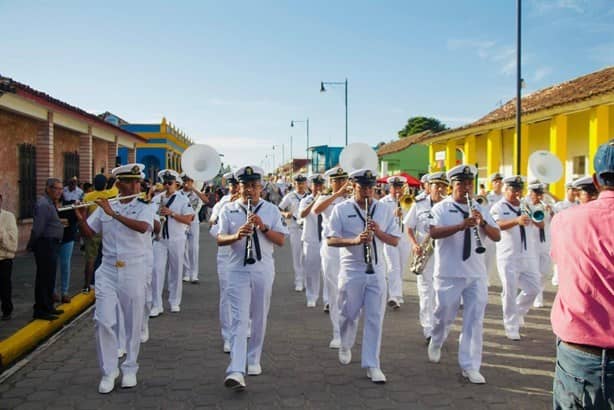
479	248
249	240
367	246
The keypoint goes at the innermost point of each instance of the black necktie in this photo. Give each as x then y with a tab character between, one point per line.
467	240
165	226
320	227
542	235
523	232
363	219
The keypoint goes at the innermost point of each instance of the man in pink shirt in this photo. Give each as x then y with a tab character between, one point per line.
583	312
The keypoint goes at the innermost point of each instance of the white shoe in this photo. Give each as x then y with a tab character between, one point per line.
335	343
175	309
128	380
186	278
298	288
434	352
376	375
512	334
120	353
311	304
254	370
226	347
474	376
235	381
345	356
107	383
145	334
401	300
155	312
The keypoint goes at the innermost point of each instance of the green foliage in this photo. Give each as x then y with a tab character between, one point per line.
419	124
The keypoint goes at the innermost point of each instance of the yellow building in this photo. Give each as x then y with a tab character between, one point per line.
570	120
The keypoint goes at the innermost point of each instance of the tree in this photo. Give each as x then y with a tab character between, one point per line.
419	124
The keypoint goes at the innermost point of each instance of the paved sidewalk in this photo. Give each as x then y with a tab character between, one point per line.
182	366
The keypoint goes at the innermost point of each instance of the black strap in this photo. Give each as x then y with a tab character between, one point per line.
255	234
542	235
359	212
467	240
523	232
165	225
320	219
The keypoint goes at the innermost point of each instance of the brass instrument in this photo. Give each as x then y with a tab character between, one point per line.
419	260
84	204
367	245
535	213
479	247
249	240
406	201
481	200
162	218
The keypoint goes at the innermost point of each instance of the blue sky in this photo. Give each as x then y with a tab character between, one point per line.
233	74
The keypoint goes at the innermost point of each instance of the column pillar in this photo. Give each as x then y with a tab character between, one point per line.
131	155
524	150
469	148
431	157
85	156
44	153
450	154
111	154
493	151
599	132
558	146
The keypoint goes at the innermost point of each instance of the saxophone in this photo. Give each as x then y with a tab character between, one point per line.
418	261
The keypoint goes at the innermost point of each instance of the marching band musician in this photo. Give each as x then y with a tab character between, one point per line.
196	200
125	226
492	197
460	271
585	189
361	231
223	253
149	259
289	207
338	180
249	226
312	239
541	238
396	256
170	248
426	187
496	193
417	222
516	257
569	201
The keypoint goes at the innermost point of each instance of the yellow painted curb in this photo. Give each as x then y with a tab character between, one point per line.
28	337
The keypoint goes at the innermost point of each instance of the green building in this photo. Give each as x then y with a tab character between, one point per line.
405	155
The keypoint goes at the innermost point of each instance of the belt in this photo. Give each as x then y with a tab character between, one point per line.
594	350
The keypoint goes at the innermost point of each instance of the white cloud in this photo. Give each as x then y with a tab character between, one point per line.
546	6
504	56
541	73
481	47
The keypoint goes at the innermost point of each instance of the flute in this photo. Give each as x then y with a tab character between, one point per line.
84	204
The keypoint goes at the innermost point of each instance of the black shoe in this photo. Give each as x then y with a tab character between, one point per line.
6	316
44	316
56	311
326	308
195	282
427	341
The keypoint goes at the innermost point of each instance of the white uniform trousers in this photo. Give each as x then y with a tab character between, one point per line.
148	290
171	253
517	274
491	257
358	290
249	292
192	248
312	268
330	266
426	295
297	255
224	305
397	258
123	287
448	293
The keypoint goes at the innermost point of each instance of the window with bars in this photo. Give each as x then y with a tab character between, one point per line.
27	180
71	165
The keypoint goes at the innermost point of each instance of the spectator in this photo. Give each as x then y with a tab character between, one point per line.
87	187
47	232
8	247
72	192
69	220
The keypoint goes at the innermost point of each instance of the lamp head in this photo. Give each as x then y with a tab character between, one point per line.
322	89
292	123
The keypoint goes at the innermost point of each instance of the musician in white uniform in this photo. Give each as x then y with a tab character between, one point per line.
460	271
360	226
338	180
312	240
149	259
125	226
170	248
289	210
424	180
569	202
585	189
418	223
492	197
192	246
249	284
516	257
397	257
223	254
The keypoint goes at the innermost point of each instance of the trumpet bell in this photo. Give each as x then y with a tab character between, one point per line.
358	155
545	166
481	199
406	201
201	162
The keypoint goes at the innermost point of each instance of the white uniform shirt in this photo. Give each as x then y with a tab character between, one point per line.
392	202
417	219
449	251
68	195
181	206
510	245
290	202
327	213
492	198
194	201
233	215
120	243
215	214
348	221
562	205
310	222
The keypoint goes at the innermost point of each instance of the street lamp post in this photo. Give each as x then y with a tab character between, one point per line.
345	84
306	122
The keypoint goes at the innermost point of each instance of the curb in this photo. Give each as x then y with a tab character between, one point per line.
31	335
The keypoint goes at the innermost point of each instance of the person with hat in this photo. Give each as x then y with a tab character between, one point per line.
516	256
312	240
192	246
569	201
249	227
169	250
396	257
361	226
289	210
338	180
496	193
583	309
71	191
223	253
460	271
426	186
585	189
125	226
541	236
492	197
417	222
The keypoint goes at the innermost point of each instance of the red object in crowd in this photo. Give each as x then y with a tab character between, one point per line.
411	180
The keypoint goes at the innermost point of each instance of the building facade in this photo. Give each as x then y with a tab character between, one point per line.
323	157
405	155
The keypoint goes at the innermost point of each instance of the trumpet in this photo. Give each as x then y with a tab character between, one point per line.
481	200
536	213
249	240
367	245
406	201
90	203
479	247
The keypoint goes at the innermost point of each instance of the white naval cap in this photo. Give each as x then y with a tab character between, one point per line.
462	172
316	179
336	172
583	182
516	181
398	180
249	173
229	177
496	175
424	178
185	176
438	177
364	176
536	186
300	178
133	170
168	175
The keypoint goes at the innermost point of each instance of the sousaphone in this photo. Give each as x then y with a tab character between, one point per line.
358	155
201	162
545	166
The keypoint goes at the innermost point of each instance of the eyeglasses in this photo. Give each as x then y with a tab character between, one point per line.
168	182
